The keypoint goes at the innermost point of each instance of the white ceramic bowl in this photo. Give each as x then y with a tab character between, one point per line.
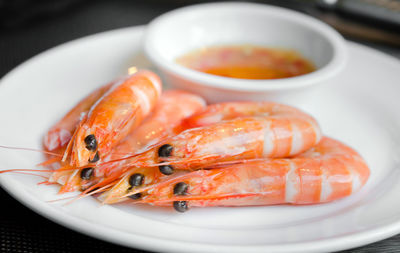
186	29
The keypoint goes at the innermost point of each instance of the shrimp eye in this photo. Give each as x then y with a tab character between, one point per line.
95	158
87	173
135	196
136	179
165	150
91	143
181	188
180	206
166	169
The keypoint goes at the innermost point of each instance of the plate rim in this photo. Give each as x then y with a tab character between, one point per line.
114	235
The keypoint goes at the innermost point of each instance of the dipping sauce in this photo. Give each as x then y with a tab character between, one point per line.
247	62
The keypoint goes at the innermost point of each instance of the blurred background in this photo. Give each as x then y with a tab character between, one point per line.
28	27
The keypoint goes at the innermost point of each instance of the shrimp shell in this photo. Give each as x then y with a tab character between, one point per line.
60	134
165	121
111	119
172	107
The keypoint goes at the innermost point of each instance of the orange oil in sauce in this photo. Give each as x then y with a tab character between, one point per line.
247	62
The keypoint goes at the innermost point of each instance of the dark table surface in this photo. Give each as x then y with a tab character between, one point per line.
28	31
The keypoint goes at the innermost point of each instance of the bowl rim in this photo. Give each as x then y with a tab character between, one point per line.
333	67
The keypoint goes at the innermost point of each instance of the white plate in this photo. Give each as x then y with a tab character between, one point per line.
361	109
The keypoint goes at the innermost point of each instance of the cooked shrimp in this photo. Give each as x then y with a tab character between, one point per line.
327	172
164	121
112	117
236	130
241	148
60	134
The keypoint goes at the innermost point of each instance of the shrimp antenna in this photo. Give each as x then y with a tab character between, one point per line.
23	170
86	194
60	199
31	149
131	156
